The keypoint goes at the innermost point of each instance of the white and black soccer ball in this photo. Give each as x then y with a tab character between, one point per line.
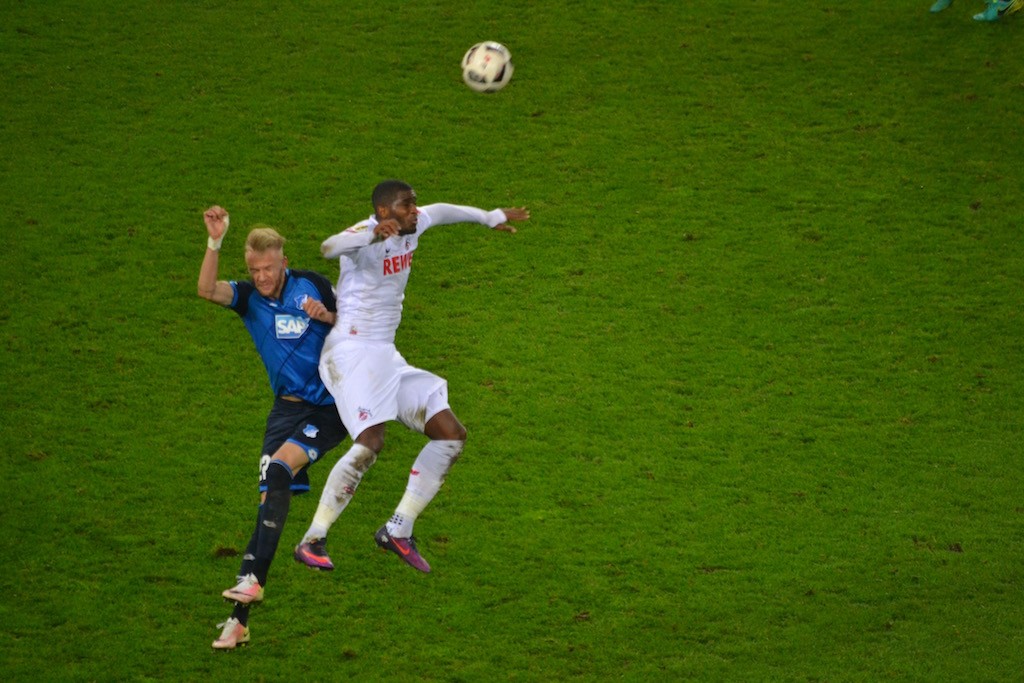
487	67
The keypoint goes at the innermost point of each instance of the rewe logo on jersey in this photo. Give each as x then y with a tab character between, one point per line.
290	326
396	264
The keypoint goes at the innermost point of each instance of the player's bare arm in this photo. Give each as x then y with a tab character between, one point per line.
316	310
209	287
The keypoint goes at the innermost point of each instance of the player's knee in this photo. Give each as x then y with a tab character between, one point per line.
294	454
454	431
459	433
279	475
371	439
445	427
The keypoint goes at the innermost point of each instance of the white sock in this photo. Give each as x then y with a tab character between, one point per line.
341	484
425	479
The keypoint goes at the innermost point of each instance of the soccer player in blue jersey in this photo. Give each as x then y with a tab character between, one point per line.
997	9
288	314
994	9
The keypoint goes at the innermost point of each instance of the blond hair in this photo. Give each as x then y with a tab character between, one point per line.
263	238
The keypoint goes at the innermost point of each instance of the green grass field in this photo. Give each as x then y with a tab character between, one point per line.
744	397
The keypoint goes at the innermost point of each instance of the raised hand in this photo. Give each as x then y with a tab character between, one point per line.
216	218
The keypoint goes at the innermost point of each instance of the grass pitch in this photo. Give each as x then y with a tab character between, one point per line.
744	397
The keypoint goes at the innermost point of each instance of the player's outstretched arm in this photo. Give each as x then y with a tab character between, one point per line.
348	240
447	214
209	288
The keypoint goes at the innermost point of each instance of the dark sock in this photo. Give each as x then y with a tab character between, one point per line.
250	550
241	612
275	512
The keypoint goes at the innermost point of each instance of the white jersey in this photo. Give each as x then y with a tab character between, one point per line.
374	272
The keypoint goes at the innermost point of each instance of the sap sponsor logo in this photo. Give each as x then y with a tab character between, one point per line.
311	431
290	326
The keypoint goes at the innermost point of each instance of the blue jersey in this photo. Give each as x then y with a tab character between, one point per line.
288	340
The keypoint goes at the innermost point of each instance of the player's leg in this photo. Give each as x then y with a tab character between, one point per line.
289	458
447	439
364	381
236	631
250	549
320	434
310	431
994	9
300	484
339	488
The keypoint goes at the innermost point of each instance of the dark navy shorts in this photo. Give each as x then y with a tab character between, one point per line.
317	429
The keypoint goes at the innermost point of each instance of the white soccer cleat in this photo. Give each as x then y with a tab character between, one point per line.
246	592
233	635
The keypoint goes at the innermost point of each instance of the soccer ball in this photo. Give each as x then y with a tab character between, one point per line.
487	67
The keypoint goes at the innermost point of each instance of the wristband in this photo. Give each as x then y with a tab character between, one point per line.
215	243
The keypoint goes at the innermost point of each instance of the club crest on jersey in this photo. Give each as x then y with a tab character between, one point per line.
301	299
290	326
364	414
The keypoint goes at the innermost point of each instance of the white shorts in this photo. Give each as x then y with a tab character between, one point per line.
372	384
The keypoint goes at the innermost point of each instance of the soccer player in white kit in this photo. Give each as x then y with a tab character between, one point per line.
370	380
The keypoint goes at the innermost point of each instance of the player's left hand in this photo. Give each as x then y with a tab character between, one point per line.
316	310
513	214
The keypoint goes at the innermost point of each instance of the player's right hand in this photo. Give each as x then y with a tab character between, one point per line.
216	218
386	228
